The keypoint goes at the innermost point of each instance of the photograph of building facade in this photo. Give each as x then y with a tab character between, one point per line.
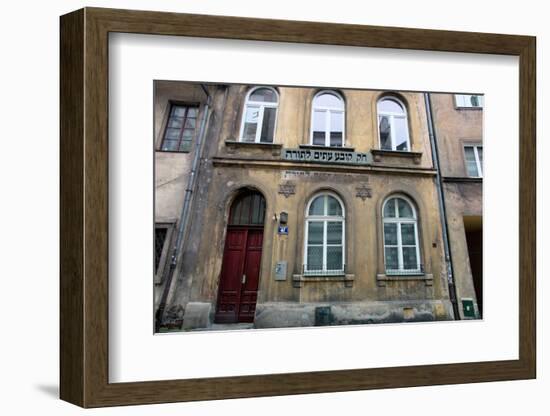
293	206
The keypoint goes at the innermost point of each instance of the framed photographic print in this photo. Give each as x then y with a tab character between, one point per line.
257	207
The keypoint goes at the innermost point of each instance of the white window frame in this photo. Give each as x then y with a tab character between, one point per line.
464	101
479	165
325	219
261	105
397	220
392	116
328	111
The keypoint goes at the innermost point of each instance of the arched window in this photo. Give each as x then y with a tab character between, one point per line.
248	209
259	115
401	251
327	119
325	241
393	127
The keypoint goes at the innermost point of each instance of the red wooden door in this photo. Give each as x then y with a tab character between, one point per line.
249	289
240	275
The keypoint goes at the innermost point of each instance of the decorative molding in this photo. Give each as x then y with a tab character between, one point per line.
379	154
298	280
363	191
232	146
428	279
287	189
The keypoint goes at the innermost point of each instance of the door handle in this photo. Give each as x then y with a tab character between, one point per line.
243	280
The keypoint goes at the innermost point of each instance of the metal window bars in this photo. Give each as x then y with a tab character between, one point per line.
308	270
406	272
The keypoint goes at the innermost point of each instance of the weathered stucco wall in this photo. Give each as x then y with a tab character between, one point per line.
227	166
455	128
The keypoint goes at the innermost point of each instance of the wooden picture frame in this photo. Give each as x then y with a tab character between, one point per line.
84	207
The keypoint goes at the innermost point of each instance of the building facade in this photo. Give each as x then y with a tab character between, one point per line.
300	207
458	124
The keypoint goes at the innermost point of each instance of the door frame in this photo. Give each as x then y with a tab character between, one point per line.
228	227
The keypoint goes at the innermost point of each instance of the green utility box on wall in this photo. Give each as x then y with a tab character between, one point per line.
468	308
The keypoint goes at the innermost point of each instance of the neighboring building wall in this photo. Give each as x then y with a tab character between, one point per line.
456	128
172	168
364	293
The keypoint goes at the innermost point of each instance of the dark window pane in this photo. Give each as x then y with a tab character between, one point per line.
317	207
175	122
172	134
404	208
245	210
389	209
336	139
409	258
264	95
314	258
390	234
190	123
170	145
480	154
334	232
185	146
471	165
178	111
408	237
334	207
315	232
176	139
248	209
385	133
392	262
334	258
268	125
188	134
160	237
319	138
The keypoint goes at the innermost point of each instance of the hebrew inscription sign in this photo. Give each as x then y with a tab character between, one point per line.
327	156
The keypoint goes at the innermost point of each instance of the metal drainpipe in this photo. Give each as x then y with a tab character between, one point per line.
184	211
440	195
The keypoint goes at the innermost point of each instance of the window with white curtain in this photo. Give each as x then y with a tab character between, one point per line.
325	235
259	115
393	127
401	249
328	119
469	101
473	156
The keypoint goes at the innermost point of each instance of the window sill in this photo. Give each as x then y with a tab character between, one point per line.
233	145
382	278
253	144
298	280
470	179
317	147
173	151
378	154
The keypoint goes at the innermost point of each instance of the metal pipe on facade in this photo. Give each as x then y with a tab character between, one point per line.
185	210
442	209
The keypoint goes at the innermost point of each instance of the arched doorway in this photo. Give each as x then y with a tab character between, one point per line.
240	274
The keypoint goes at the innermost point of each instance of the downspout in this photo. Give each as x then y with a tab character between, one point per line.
184	211
441	199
